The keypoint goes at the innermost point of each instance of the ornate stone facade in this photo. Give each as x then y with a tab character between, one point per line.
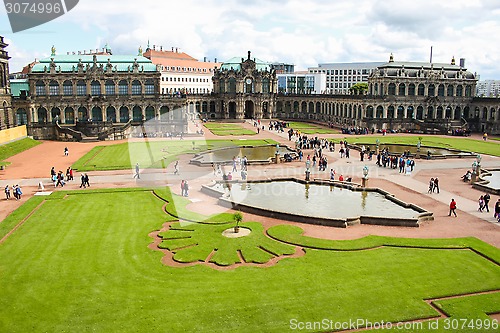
98	89
242	90
116	91
6	114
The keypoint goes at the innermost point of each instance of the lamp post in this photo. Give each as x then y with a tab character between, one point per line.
308	171
277	154
377	142
364	180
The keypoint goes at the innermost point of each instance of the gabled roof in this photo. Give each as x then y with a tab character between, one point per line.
155	54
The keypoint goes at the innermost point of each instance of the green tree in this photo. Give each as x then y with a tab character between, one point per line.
359	88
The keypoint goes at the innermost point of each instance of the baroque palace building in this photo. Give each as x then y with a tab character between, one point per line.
95	95
106	96
6	115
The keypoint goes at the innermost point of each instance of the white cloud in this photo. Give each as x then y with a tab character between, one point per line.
303	32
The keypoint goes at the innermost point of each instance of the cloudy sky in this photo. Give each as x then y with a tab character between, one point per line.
302	32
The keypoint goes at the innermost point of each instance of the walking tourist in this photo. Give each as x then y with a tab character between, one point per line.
7	192
137	171
436	185
481	204
487	199
497	210
176	168
431	186
453	207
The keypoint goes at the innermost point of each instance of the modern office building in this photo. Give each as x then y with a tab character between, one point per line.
488	88
301	83
181	73
342	76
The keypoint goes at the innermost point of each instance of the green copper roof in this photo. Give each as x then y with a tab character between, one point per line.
235	64
69	63
18	85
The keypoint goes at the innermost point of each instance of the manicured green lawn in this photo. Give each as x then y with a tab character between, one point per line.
150	154
228	129
14	148
81	263
464	144
308	128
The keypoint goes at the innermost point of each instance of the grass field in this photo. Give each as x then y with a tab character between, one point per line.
460	143
150	154
81	263
228	129
14	148
308	128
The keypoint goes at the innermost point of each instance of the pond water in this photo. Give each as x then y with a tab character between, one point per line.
314	200
494	180
225	155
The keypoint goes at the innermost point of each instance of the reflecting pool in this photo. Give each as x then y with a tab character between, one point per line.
317	201
262	154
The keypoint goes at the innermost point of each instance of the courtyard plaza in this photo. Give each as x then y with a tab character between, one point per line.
32	167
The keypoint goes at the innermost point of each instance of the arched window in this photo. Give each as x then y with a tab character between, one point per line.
460	91
124	115
392	89
232	86
123	88
21	117
137	113
67	88
56	114
109	87
421	90
136	87
431	90
468	91
42	115
150	113
410	112
441	90
82	113
402	89
411	89
164	115
450	91
420	112
439	114
69	115
95	88
96	113
149	87
40	88
81	88
111	114
53	88
380	111
265	86
222	86
369	111
401	112
390	112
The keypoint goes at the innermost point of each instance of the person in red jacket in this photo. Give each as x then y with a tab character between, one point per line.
453	207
